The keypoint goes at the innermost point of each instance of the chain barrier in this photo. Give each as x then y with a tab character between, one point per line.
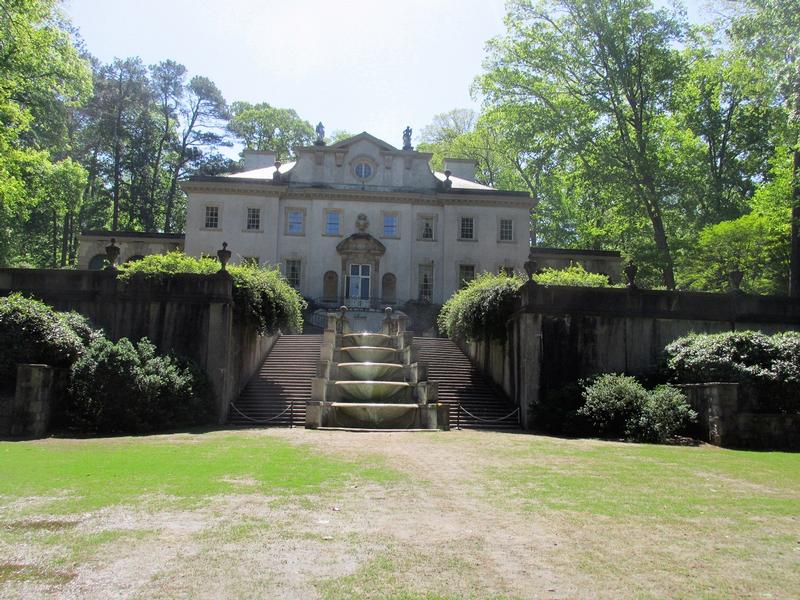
509	415
290	408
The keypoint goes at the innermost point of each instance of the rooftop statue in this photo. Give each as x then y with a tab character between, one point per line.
320	134
407	139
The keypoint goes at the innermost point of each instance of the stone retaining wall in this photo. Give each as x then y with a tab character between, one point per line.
720	421
190	315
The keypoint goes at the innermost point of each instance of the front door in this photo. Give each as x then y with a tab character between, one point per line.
358	286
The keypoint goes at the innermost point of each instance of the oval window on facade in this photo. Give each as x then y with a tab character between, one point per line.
363	170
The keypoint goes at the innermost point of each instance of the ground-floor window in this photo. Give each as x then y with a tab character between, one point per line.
426	283
466	273
293	272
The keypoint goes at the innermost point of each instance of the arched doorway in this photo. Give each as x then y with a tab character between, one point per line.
330	286
389	289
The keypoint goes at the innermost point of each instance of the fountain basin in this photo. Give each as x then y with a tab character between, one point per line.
371	371
387	416
366	339
370	353
371	391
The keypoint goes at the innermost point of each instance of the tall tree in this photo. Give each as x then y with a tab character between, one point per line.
601	74
203	114
264	127
40	67
768	32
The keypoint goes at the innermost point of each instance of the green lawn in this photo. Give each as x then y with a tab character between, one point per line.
308	514
83	475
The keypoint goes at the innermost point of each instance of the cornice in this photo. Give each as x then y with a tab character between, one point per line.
259	187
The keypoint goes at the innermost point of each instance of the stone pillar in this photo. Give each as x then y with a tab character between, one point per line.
529	348
27	413
717	407
220	363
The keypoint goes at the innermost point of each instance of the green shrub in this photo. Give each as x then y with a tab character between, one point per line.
619	406
125	388
613	404
480	309
32	332
664	414
261	294
81	326
769	366
573	275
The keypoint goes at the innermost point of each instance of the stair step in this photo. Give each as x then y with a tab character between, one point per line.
284	379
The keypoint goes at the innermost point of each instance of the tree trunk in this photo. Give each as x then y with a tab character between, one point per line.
794	269
65	239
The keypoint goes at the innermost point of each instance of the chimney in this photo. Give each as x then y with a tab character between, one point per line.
463	168
258	159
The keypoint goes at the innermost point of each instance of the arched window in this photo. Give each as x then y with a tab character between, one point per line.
330	286
97	262
389	288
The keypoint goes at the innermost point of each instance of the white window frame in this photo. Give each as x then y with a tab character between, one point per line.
300	268
474	237
247	219
500	230
396	215
432	283
287	213
325	214
420	227
218	217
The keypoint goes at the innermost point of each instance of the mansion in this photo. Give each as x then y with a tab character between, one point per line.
358	222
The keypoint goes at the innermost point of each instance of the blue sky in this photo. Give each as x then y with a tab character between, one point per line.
357	66
376	66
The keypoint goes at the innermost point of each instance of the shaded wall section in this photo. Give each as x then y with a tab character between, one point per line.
190	315
561	334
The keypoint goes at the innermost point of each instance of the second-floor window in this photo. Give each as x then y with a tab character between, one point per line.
427	228
390	225
332	222
253	219
295	222
467	229
506	230
212	217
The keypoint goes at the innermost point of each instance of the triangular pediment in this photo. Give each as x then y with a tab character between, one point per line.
361	243
344	144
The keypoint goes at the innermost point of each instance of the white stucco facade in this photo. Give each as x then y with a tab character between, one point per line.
422	234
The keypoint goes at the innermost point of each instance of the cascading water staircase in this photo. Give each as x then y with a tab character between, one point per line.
372	380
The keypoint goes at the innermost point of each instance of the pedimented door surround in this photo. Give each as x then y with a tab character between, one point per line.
361	248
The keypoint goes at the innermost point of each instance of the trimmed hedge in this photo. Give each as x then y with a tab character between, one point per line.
573	275
32	332
261	294
481	308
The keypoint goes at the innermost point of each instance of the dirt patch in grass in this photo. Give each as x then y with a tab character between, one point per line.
474	515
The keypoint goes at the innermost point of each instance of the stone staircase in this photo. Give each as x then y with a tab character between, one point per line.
284	377
460	381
